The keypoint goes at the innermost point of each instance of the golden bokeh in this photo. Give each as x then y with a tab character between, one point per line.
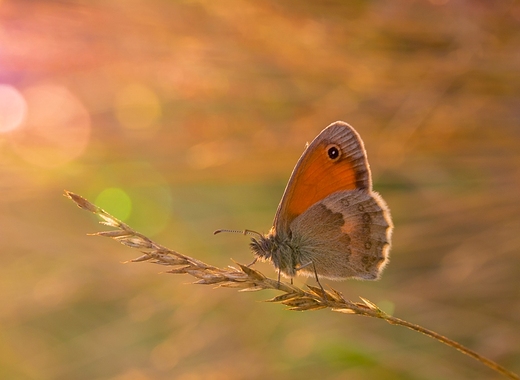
183	117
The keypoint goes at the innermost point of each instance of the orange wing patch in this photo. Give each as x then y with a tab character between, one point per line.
317	178
321	172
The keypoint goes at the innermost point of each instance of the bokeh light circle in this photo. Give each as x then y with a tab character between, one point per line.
13	108
115	201
138	188
56	129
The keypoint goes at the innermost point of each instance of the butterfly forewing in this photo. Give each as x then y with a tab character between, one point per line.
316	175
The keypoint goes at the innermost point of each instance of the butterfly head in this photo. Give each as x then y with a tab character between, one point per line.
277	249
264	246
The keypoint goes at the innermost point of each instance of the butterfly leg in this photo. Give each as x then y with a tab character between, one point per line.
252	262
318	280
315	275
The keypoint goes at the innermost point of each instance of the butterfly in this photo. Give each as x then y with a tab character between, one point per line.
329	223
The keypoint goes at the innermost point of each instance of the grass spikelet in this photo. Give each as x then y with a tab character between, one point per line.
247	279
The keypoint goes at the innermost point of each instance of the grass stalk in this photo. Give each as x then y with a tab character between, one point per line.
245	279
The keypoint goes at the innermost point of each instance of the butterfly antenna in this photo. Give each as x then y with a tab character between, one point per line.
243	232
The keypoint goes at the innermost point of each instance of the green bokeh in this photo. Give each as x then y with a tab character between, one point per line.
116	202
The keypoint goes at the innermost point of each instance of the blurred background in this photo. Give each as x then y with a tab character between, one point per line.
182	117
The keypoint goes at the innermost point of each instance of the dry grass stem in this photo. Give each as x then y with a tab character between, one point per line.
246	279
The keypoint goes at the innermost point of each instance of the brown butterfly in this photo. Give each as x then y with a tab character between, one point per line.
329	222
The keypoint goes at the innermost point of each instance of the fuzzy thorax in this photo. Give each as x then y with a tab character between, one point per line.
279	250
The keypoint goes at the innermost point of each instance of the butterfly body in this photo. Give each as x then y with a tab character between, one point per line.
329	221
